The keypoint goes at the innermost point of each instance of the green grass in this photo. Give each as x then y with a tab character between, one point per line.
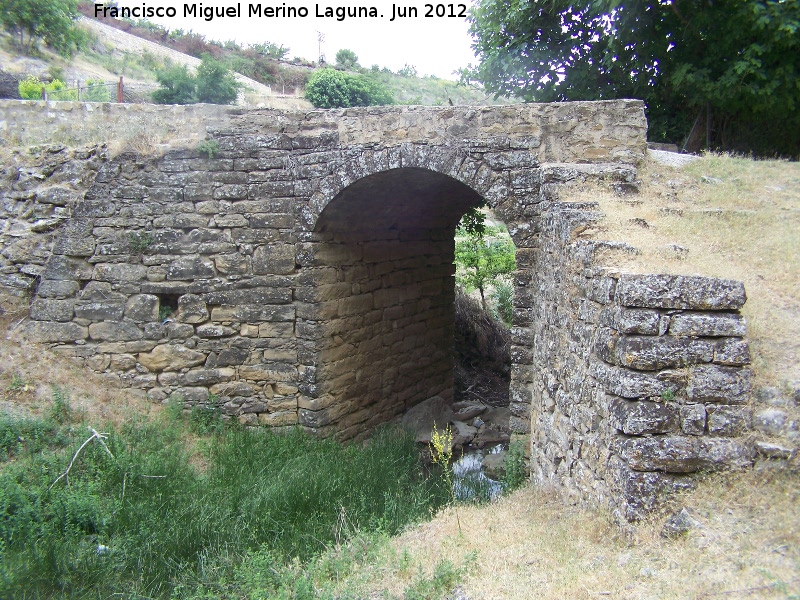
256	521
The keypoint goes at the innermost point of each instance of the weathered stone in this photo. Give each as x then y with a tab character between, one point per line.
628	383
650	353
191	268
726	420
214	331
771	421
52	310
631	320
232	356
679	524
50	288
207	377
98	362
192	309
64	268
190	395
679	291
712	383
49	331
278	419
693	419
641	416
709	324
168	357
272	372
119	273
233	388
100	311
142	308
277	259
732	351
115	331
100	291
642	491
678	454
770	450
232	264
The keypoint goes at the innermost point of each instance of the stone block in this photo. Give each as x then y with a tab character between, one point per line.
693	419
115	331
270	372
679	454
191	268
772	421
206	377
49	331
642	416
642	492
679	291
192	309
232	356
732	352
707	324
64	268
142	308
52	310
232	264
214	331
119	273
714	383
274	259
279	419
233	389
58	289
628	383
642	321
169	357
650	353
100	311
724	420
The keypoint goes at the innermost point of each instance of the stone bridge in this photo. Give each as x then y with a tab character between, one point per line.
297	269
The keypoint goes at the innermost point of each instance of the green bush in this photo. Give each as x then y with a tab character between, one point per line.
329	88
216	84
177	86
30	88
96	91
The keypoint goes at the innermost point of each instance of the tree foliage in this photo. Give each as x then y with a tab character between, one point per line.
346	59
51	21
214	83
738	58
483	254
329	88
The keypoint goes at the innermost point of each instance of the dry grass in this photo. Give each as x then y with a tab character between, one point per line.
728	217
531	545
40	369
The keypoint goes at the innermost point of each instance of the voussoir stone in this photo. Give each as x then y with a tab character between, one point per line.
169	357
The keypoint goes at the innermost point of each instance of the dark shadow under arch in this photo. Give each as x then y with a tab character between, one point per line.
384	292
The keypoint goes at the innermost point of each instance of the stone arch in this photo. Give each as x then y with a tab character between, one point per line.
379	289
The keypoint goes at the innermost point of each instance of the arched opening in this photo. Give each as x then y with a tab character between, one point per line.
383	275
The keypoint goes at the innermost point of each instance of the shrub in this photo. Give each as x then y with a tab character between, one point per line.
30	88
96	91
329	88
346	59
177	86
57	90
216	84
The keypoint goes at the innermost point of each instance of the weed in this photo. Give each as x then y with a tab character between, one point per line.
18	384
139	241
210	147
668	395
444	578
206	419
164	312
515	475
60	411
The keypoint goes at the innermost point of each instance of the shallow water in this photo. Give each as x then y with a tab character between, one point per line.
470	482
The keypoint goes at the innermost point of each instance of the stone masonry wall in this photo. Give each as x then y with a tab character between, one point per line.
637	380
302	275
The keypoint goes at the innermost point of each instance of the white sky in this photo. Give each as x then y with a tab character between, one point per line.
435	46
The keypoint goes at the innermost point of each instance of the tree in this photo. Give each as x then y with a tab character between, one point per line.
216	84
482	253
739	59
346	59
178	86
52	21
329	88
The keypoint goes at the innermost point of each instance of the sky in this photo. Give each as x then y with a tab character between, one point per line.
435	45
